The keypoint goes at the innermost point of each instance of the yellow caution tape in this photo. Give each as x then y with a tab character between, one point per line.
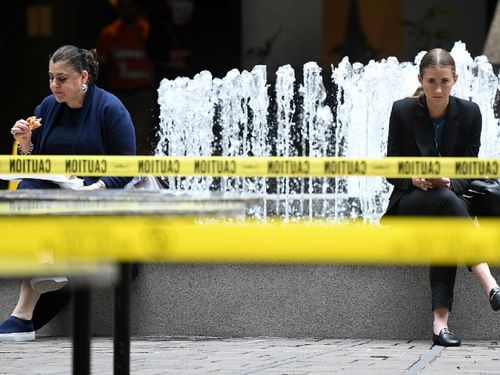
248	166
33	241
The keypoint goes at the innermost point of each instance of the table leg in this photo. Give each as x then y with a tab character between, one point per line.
81	331
122	322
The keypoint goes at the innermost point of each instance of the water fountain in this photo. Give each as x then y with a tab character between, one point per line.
243	115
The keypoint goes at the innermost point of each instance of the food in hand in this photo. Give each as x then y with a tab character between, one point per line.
34	122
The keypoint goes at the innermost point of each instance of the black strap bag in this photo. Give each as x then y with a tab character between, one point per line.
482	187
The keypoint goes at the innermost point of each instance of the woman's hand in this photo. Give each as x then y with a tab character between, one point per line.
422	183
431	183
22	133
99	185
442	182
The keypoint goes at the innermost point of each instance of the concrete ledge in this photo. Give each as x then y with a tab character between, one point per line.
284	301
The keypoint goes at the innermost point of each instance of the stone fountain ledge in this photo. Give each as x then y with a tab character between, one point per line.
336	301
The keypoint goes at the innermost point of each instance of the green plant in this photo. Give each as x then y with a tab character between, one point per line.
430	30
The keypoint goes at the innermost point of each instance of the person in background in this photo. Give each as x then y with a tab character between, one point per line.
126	71
434	123
179	42
79	118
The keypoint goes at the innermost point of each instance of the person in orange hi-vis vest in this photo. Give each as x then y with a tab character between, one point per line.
126	71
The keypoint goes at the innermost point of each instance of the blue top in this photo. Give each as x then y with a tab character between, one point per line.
63	135
101	127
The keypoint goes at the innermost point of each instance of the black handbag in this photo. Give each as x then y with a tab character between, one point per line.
483	187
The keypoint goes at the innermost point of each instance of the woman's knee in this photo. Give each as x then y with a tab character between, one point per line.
450	204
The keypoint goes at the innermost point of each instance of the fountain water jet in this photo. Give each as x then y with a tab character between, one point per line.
233	116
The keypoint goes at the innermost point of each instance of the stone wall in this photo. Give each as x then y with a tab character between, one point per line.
335	301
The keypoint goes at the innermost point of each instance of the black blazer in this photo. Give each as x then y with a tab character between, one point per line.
410	134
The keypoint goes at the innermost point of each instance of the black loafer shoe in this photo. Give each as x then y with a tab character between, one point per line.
445	338
495	298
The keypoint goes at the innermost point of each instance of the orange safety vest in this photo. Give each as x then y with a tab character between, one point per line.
122	48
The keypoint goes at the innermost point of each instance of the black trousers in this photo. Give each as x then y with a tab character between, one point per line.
443	202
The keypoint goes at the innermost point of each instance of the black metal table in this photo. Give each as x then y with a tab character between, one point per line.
113	202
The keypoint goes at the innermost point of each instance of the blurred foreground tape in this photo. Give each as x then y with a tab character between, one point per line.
34	241
246	166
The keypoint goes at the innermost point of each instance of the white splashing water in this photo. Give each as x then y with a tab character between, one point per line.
233	117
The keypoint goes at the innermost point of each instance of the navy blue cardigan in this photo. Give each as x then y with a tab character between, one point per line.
104	128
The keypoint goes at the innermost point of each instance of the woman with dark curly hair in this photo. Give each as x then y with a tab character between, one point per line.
79	118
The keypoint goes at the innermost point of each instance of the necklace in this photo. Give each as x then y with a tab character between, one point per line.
438	122
437	132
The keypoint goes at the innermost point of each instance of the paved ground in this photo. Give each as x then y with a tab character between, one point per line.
266	356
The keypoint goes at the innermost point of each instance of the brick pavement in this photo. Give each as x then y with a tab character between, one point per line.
265	356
